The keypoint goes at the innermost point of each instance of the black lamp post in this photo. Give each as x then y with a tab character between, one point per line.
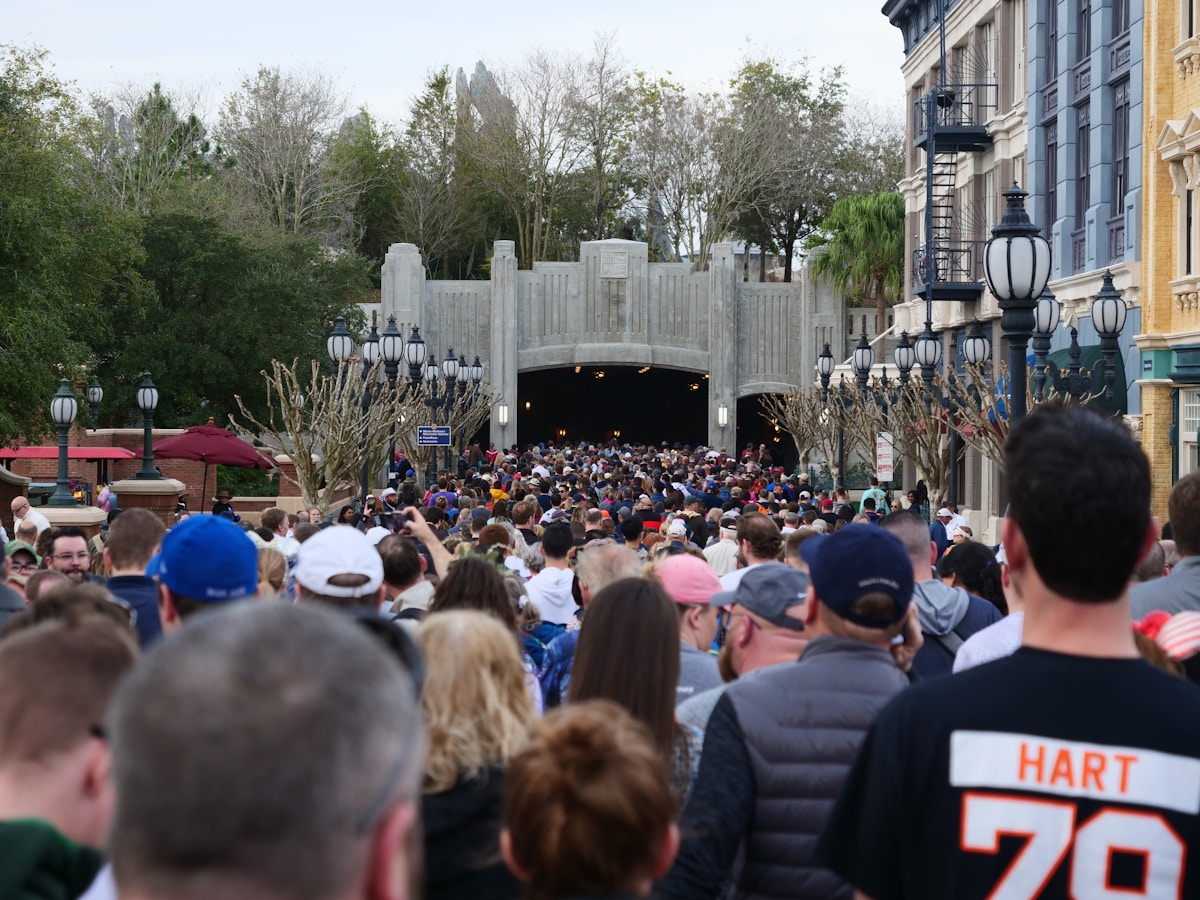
843	402
1016	264
95	394
63	408
825	365
1046	315
861	361
370	355
340	345
414	356
928	353
904	356
1108	315
147	401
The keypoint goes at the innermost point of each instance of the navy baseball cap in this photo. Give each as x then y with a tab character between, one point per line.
769	590
208	558
859	560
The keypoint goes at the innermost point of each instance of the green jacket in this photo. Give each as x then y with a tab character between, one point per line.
38	863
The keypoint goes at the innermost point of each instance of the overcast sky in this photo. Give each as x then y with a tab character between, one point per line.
380	53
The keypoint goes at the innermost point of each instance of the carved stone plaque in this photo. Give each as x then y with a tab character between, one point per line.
614	264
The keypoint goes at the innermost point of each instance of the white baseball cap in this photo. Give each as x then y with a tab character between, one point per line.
339	550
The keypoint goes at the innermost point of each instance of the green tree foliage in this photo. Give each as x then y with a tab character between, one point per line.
68	260
861	250
226	307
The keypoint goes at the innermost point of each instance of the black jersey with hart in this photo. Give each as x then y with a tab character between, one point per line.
1038	775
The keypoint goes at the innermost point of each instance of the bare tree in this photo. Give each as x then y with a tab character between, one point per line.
523	143
809	419
430	198
602	120
277	129
138	142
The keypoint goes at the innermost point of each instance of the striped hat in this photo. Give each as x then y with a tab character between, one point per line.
1180	636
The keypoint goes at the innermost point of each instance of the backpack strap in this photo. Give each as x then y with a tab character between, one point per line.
950	641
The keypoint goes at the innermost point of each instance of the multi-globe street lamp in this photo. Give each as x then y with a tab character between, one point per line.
1108	315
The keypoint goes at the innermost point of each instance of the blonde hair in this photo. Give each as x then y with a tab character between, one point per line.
476	705
272	569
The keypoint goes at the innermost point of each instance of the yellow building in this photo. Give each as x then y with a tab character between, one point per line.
1170	342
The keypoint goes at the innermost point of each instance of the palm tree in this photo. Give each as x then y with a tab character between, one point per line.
862	244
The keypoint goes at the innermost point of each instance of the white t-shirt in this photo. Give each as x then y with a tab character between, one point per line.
998	640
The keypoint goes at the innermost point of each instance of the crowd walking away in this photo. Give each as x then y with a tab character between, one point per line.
575	670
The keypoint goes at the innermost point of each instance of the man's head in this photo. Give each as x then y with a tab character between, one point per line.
339	567
557	540
22	558
269	751
205	561
68	552
862	581
224	495
944	515
598	567
765	616
1183	507
19	507
910	529
1065	465
59	677
275	520
402	564
632	528
133	538
758	538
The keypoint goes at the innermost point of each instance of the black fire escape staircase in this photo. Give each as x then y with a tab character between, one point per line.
949	120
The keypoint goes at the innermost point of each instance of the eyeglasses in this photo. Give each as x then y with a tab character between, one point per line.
82	556
22	567
725	623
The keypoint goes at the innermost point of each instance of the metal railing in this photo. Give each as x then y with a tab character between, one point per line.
954	262
955	106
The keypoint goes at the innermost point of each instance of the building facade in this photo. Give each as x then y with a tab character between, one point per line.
1170	339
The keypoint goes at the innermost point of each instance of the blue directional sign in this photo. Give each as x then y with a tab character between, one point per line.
433	435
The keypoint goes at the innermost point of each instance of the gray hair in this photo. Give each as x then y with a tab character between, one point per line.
256	750
598	567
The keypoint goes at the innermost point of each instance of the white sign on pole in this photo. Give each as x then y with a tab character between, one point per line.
884	456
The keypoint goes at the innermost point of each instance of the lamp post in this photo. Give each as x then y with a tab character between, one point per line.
414	356
1045	316
825	364
63	408
905	356
147	401
1108	315
95	394
340	345
391	348
1016	264
370	355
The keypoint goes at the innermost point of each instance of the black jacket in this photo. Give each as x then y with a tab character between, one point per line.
462	842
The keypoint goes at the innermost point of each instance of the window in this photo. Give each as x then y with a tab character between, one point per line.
1050	188
987	51
1052	39
1082	166
1083	31
1018	170
1018	92
1188	15
1120	17
989	196
1189	415
1120	139
1189	231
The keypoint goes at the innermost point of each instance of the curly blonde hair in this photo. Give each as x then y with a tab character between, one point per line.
477	709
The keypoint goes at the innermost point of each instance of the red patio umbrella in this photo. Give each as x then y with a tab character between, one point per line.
213	445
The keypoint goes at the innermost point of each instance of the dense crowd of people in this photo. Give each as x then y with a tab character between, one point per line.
587	671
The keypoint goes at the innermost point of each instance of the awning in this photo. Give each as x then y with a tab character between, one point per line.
72	453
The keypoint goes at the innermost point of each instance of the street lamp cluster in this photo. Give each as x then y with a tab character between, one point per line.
63	409
454	373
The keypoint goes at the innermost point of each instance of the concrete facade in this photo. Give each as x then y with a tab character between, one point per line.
613	307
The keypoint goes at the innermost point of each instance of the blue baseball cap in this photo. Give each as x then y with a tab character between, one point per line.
859	560
208	558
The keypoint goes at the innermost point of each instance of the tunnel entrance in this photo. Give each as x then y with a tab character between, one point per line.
753	429
597	404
